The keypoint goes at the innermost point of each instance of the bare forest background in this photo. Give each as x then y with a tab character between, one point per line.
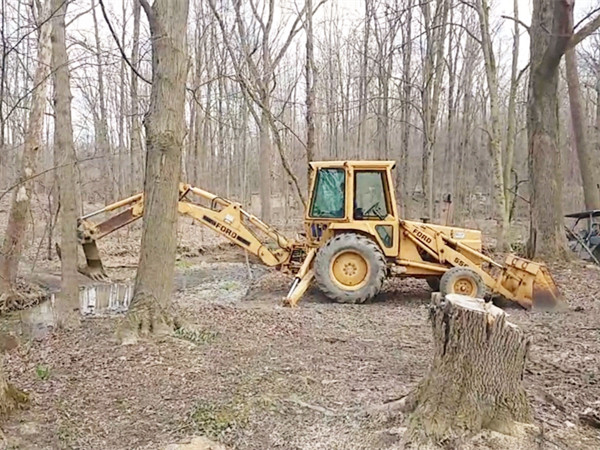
439	86
491	109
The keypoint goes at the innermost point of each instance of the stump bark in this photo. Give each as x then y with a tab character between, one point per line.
475	380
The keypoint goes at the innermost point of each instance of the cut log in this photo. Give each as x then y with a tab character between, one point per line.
475	380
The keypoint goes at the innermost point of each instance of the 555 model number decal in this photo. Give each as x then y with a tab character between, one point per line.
459	262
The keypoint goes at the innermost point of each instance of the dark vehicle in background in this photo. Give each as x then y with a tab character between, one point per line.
584	235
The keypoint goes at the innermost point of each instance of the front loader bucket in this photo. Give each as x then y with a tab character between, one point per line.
530	284
545	291
94	268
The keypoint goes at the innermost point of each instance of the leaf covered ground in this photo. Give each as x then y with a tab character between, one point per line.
256	375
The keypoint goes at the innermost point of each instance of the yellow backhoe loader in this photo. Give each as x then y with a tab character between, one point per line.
354	238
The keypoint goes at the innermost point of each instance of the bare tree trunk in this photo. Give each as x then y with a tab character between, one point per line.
12	248
221	145
265	163
244	175
466	132
402	171
491	71
384	117
311	77
511	127
547	237
453	93
102	124
476	378
136	156
588	162
3	77
364	83
151	303
433	72
198	161
597	123
65	150
385	37
123	182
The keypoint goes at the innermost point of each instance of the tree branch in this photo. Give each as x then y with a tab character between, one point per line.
149	13
584	32
116	39
562	31
39	174
519	21
587	16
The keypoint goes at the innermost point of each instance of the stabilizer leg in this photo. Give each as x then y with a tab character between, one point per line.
302	280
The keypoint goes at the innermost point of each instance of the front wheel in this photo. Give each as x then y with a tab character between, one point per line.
350	268
463	281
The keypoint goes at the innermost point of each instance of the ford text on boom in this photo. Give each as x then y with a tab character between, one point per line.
227	231
224	229
422	235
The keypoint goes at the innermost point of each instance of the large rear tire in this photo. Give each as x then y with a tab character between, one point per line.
350	268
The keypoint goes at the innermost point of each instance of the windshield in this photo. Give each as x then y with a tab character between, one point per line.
330	194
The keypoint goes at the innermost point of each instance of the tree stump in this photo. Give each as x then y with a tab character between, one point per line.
475	380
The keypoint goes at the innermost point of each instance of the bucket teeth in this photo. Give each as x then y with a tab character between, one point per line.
94	268
94	273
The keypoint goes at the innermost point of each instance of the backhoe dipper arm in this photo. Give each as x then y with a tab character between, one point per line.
223	216
88	231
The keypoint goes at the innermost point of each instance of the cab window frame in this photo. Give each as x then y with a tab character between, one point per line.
315	193
385	193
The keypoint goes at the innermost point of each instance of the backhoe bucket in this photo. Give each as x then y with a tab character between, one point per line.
94	268
530	284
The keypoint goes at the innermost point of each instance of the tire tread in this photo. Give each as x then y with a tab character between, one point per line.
359	242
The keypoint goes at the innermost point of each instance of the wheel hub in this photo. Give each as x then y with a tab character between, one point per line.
349	270
465	286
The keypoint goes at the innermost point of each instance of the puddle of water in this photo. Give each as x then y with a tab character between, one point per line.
98	300
104	299
37	321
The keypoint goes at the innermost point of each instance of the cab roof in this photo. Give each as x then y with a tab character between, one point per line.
584	214
365	164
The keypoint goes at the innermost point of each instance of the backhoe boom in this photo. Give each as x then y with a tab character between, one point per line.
223	216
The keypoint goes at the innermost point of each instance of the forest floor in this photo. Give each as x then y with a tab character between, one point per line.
258	375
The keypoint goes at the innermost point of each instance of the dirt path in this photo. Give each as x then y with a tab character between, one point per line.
260	376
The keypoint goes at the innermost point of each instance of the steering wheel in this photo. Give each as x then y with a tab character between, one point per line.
372	209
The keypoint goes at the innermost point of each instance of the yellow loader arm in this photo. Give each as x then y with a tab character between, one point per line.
525	282
221	215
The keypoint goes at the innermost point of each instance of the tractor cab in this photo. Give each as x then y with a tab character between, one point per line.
353	196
